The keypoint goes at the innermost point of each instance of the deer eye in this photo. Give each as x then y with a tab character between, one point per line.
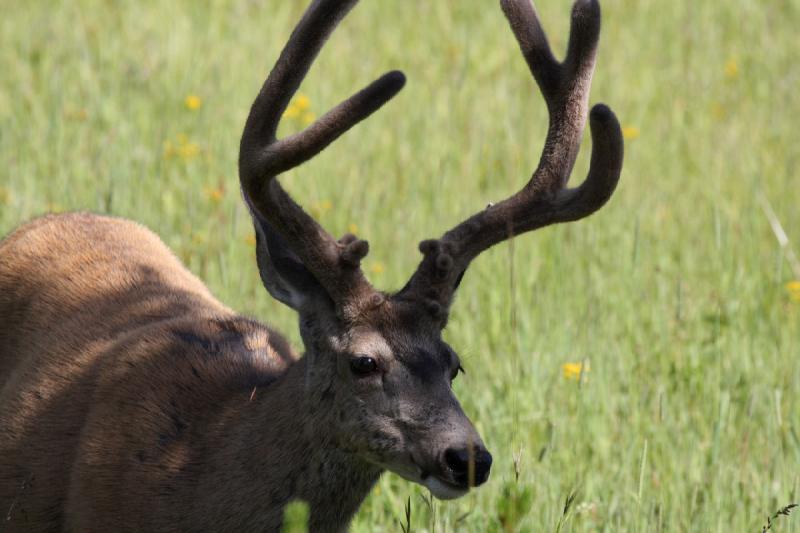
363	365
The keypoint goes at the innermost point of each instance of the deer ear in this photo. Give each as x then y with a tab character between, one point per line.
282	273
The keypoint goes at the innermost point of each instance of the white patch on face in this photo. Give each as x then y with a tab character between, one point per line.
442	490
370	343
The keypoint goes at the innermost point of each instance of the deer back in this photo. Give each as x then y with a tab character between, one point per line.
115	362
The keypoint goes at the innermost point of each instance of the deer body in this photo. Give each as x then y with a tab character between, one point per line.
130	381
131	399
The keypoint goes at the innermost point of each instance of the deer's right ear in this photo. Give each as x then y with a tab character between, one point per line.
282	272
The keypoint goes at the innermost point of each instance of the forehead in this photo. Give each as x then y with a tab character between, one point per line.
405	333
395	339
404	326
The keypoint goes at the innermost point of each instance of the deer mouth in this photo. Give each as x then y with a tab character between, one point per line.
441	488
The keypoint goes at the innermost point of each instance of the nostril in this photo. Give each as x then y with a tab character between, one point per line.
458	461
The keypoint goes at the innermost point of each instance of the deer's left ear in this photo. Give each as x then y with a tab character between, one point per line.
282	273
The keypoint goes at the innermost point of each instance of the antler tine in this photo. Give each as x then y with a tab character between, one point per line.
262	156
544	199
565	86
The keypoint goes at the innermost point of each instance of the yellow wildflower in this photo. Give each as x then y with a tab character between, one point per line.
309	117
300	108
793	288
377	267
630	133
352	228
192	102
188	150
215	194
320	208
184	148
5	196
575	370
718	111
292	111
250	239
302	102
732	69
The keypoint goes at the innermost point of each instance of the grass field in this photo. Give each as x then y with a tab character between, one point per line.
677	298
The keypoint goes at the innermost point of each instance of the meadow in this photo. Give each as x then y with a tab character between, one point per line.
634	371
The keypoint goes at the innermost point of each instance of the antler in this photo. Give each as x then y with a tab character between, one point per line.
544	200
335	264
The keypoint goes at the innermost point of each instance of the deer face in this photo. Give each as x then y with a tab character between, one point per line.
396	408
380	369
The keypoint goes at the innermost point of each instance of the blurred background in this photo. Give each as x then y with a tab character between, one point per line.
635	371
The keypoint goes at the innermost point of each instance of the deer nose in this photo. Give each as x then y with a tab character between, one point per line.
459	461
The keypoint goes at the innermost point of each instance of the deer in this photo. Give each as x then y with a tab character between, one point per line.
132	400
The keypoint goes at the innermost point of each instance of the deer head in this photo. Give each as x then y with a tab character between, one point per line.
377	359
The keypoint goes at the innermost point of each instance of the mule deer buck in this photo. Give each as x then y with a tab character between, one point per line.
131	399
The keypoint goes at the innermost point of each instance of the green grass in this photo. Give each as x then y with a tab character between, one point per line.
674	292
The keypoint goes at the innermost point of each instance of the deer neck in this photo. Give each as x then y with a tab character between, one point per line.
284	448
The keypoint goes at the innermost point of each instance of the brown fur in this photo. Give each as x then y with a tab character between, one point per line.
111	355
131	399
